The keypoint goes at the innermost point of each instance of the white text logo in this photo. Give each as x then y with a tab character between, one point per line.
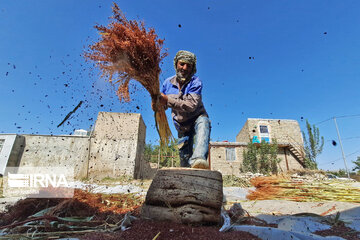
37	180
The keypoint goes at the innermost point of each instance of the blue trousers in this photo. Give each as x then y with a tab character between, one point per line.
194	144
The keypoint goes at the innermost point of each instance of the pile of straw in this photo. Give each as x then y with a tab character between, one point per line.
125	51
284	188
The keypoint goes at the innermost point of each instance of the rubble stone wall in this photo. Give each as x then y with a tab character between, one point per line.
283	130
219	162
244	134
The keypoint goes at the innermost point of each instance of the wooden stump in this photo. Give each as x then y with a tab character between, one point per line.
185	195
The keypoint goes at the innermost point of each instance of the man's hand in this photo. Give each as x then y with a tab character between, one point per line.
159	102
163	99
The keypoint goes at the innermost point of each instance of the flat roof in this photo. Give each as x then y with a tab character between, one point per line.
237	144
268	119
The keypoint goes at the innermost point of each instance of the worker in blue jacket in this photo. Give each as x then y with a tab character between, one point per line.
182	93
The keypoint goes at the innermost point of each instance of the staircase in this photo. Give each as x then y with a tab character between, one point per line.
298	153
296	149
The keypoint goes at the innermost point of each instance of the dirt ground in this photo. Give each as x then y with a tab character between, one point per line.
105	210
108	210
147	229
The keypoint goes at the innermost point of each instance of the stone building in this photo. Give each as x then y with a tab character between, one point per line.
115	148
227	157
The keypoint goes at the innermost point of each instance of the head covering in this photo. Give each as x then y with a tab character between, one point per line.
187	57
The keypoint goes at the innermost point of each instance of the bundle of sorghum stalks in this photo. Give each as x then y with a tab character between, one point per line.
126	50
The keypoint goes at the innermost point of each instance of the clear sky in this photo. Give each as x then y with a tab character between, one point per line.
258	59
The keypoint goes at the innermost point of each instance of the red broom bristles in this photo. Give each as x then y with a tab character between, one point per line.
125	51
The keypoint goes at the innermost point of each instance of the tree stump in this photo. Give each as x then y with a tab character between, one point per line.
184	195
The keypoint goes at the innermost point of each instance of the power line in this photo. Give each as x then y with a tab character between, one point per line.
347	138
350	138
328	163
344	116
347	116
338	159
323	121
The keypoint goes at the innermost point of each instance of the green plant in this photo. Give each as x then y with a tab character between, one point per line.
169	155
250	159
310	164
313	145
357	165
261	158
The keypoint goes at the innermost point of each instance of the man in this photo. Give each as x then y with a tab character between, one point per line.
182	93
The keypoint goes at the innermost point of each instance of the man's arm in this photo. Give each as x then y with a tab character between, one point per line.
190	101
161	100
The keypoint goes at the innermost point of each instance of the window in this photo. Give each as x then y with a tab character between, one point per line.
264	129
264	133
230	154
1	143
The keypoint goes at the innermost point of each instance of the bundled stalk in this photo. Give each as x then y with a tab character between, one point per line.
125	51
285	189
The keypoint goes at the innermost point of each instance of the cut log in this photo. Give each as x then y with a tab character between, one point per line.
185	195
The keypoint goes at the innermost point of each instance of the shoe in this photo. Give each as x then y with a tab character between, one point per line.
201	164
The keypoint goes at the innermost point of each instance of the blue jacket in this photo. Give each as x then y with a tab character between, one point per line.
186	104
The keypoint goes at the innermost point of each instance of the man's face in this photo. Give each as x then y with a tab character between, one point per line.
183	70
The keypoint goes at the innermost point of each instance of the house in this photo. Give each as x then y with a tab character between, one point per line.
227	157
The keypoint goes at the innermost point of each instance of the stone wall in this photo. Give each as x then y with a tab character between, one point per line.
148	170
115	148
56	151
283	130
220	163
140	161
244	134
117	145
11	150
218	159
288	160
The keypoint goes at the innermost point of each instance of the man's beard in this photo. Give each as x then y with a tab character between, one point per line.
182	77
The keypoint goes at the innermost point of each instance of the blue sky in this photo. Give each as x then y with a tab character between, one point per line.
258	59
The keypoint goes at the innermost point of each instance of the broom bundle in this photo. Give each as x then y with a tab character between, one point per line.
266	188
273	187
125	51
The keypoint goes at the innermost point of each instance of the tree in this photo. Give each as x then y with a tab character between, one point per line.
313	145
261	158
250	161
151	154
357	165
148	152
170	155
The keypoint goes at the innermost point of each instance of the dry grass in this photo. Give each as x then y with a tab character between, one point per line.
274	187
234	181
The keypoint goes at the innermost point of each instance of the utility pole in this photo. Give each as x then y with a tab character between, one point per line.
342	150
